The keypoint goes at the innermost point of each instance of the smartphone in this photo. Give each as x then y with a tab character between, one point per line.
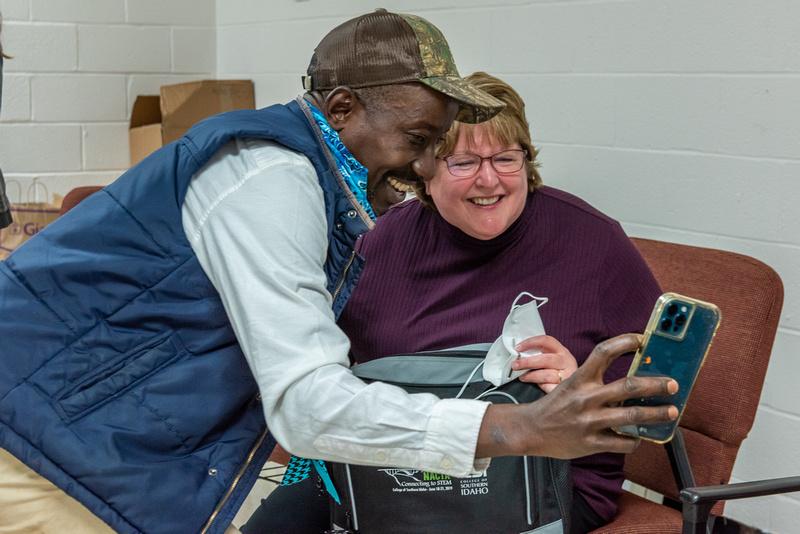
676	341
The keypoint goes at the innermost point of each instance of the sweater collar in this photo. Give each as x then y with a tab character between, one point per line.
505	240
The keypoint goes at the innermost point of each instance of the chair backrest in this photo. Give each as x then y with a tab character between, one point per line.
75	196
723	404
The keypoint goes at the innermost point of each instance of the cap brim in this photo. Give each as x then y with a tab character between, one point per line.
474	105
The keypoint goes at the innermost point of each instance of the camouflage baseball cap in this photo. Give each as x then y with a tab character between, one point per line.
383	48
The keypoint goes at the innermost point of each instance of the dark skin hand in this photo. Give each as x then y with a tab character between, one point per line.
576	418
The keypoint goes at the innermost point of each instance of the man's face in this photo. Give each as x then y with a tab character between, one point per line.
396	139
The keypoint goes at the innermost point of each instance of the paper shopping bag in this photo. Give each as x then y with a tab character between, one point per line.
28	219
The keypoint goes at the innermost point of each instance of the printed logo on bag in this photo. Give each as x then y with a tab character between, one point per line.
29	229
28	218
474	486
407	480
415	480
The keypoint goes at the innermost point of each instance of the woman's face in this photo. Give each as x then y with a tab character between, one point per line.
486	204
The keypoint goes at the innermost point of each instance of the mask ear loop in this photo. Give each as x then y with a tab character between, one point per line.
469	378
540	301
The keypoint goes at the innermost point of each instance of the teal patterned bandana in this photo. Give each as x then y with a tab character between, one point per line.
353	172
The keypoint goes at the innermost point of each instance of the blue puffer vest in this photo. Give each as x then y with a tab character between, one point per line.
120	377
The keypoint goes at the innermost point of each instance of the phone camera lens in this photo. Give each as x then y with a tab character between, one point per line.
680	320
672	309
666	324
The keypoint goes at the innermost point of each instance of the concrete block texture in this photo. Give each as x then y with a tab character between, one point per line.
16	98
637	37
194	50
683	36
568	109
40	148
106	11
15	9
752	199
40	47
78	98
773	514
273	88
736	115
105	146
271	48
124	49
255	11
172	12
776	431
780	389
783	258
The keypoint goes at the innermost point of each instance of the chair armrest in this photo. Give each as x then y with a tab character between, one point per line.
698	500
726	492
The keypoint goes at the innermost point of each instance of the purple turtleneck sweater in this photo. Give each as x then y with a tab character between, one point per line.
426	285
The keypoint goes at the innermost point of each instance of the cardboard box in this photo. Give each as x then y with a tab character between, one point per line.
158	120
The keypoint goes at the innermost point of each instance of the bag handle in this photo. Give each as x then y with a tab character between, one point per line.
31	193
33	189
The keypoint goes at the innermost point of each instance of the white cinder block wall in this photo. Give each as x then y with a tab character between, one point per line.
679	118
77	67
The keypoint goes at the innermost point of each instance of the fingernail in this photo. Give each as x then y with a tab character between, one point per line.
515	365
672	387
673	412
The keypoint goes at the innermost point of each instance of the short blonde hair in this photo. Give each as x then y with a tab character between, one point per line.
508	127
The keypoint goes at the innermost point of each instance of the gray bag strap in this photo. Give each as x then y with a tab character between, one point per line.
425	369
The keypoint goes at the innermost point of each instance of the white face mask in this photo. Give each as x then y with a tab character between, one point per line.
522	322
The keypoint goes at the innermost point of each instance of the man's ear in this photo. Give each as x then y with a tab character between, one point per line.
340	105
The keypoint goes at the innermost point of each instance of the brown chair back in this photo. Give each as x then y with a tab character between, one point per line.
75	196
723	404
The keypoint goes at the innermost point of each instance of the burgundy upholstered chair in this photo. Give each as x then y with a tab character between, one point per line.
723	404
75	196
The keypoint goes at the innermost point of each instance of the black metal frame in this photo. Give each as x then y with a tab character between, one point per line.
697	501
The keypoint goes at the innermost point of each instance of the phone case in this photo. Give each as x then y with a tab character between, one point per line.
676	341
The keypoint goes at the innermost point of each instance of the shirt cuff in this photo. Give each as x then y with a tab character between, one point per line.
452	432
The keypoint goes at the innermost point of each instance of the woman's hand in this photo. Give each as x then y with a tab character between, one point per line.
548	369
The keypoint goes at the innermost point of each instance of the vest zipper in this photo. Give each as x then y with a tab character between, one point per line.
235	482
342	278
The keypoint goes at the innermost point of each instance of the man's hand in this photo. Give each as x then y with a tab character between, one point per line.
548	369
577	417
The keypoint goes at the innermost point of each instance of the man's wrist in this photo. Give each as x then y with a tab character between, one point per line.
506	431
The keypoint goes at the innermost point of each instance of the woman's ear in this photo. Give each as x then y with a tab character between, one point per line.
340	104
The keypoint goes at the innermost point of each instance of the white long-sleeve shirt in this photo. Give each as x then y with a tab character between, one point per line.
255	217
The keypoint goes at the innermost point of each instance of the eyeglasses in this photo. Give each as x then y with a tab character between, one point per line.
466	165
